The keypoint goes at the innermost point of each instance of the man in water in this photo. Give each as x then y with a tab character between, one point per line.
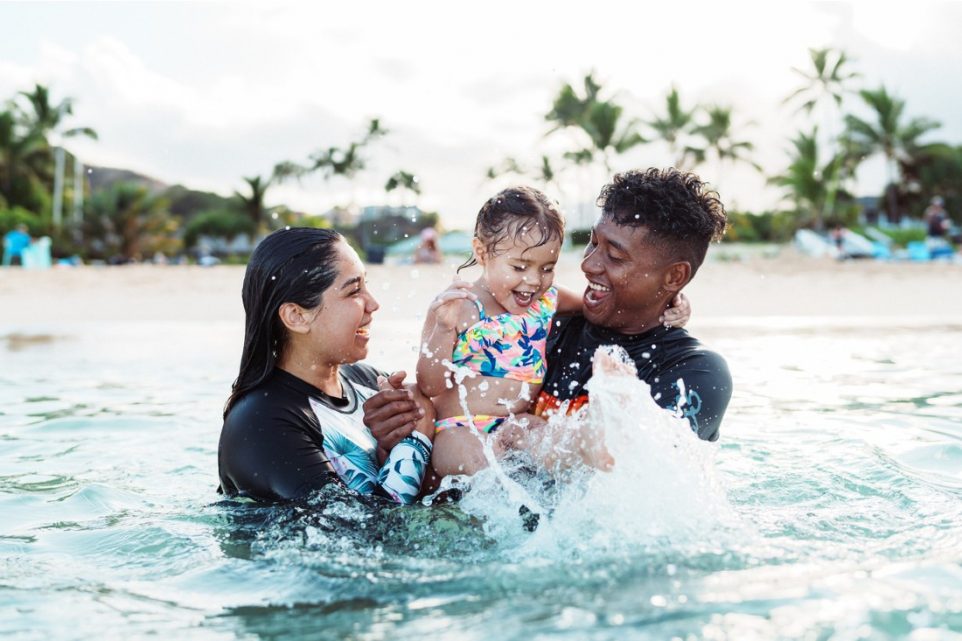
653	234
652	237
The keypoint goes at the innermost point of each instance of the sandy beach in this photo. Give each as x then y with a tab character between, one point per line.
723	291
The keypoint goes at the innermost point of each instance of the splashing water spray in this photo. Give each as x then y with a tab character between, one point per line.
662	490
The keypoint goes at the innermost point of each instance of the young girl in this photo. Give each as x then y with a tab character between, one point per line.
483	345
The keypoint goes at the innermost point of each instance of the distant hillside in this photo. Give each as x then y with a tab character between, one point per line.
104	177
182	201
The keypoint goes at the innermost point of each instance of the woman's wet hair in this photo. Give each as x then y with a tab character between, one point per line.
514	212
295	265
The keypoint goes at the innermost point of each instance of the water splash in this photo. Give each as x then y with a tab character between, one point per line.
662	492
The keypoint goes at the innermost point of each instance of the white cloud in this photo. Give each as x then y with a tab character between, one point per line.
242	86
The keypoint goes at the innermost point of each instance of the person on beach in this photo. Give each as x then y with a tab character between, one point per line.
295	419
427	251
15	242
483	345
652	237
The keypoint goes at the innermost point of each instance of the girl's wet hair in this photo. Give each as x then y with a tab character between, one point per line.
295	265
513	213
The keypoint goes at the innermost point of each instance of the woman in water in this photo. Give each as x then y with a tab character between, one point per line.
294	421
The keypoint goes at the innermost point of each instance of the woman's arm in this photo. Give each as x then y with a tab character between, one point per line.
270	453
569	301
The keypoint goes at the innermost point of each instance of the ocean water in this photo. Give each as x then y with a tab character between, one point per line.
831	508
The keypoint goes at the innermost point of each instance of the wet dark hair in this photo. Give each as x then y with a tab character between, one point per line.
512	212
295	265
682	214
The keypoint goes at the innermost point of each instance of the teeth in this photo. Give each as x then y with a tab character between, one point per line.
363	331
597	287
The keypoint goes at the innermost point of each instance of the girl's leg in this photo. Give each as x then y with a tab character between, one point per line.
458	450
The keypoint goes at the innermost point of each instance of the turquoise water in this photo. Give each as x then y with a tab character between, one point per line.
838	492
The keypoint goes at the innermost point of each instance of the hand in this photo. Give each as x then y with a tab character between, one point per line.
392	413
679	313
445	306
522	432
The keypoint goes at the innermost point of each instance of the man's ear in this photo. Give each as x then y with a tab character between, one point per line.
677	275
294	317
480	252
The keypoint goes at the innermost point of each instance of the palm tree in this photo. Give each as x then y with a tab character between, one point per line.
507	166
805	180
544	173
898	142
600	120
674	125
253	202
24	165
826	80
405	181
45	118
129	222
332	162
569	109
825	85
720	141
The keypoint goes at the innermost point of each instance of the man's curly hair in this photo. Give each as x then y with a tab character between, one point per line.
681	213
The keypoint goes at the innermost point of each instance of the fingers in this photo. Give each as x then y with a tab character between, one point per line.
450	295
392	438
386	397
397	379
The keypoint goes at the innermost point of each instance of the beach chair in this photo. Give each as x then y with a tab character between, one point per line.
37	255
918	251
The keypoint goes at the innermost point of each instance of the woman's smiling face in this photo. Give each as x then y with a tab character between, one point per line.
340	327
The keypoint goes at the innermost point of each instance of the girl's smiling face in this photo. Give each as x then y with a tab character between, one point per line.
518	271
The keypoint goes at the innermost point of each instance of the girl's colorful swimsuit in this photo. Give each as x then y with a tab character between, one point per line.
504	346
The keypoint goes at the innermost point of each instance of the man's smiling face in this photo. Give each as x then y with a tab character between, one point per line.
626	275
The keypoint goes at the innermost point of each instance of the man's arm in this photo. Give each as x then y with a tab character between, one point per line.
698	388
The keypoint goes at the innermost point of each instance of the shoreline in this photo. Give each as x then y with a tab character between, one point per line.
750	291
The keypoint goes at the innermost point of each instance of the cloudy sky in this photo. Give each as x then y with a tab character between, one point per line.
204	93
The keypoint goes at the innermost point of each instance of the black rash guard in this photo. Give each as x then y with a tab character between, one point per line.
662	356
286	438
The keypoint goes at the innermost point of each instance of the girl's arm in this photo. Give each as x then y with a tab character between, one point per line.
677	315
447	313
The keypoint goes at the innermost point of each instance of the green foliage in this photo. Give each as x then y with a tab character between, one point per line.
127	222
674	126
938	171
718	137
827	79
769	227
580	236
186	203
345	162
221	223
902	237
10	218
601	121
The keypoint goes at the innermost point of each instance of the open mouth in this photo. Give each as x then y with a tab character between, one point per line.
364	331
523	299
595	293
